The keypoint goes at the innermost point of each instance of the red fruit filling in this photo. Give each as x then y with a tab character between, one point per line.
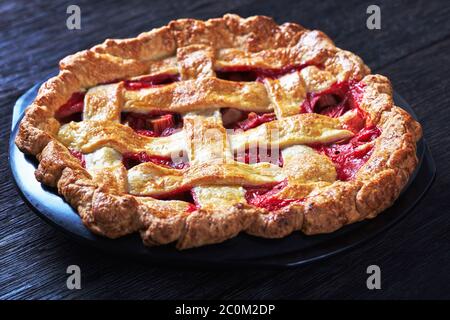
241	120
247	73
79	156
334	101
191	207
243	74
348	157
265	197
131	159
151	81
72	110
181	195
153	124
253	120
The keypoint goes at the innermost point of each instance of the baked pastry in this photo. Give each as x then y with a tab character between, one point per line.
196	131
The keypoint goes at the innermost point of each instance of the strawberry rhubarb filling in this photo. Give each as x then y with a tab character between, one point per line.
249	73
266	197
153	124
132	159
241	120
334	101
151	81
72	110
348	157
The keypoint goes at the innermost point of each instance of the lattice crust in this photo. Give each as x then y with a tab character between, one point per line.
292	64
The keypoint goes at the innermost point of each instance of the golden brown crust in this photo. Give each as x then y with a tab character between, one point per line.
257	42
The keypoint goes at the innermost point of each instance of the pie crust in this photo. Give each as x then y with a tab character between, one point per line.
331	174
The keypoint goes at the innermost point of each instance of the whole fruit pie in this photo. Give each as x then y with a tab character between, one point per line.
199	130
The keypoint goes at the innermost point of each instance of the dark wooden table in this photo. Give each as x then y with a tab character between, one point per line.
412	49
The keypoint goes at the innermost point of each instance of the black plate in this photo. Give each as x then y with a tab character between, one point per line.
244	250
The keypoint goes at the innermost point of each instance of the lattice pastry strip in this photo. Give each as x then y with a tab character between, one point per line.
207	140
103	103
193	95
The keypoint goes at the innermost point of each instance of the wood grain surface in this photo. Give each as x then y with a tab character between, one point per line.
412	49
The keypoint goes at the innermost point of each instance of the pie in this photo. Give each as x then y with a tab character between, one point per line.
199	130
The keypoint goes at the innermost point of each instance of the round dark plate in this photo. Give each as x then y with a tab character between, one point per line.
243	250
